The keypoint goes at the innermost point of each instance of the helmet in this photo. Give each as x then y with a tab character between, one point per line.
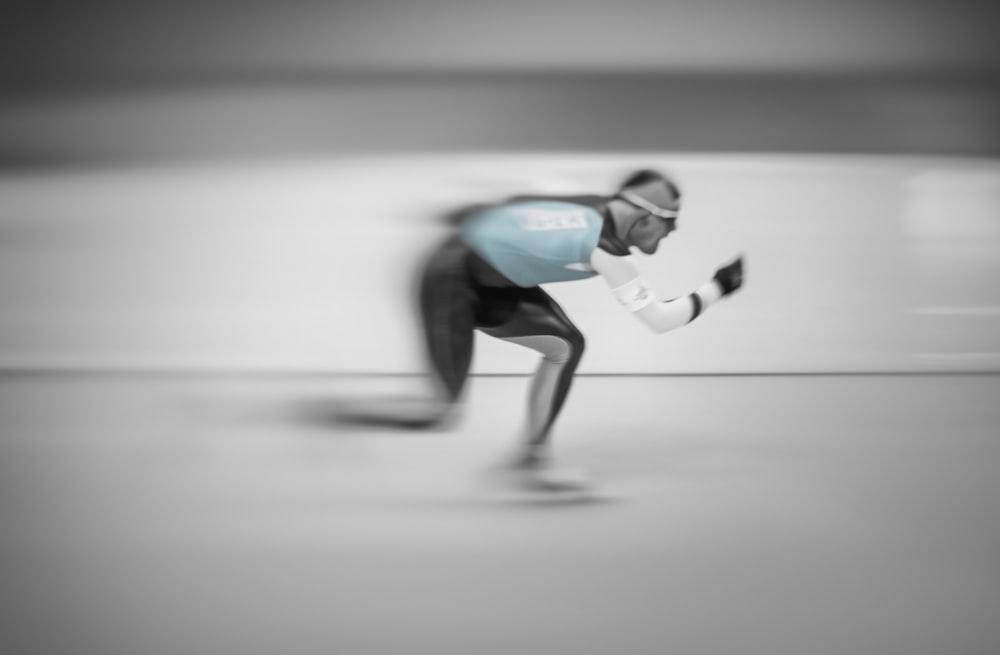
651	191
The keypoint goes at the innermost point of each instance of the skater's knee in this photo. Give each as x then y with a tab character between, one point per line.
573	344
577	343
555	348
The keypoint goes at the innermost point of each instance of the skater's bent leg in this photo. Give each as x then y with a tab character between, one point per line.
551	382
540	324
445	302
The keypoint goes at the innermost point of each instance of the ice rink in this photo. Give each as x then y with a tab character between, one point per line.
772	515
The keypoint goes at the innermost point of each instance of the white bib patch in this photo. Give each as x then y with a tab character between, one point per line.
533	219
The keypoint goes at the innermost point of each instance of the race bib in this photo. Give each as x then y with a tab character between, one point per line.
533	219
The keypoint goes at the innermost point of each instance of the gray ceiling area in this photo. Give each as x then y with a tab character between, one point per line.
116	80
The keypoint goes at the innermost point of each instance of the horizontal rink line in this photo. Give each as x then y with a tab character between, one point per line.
958	311
15	371
995	355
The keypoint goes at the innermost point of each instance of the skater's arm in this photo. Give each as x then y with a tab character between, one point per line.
622	276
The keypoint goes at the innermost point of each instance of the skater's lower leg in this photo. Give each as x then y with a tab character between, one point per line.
548	391
436	406
534	464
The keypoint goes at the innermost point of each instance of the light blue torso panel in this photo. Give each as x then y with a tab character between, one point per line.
536	242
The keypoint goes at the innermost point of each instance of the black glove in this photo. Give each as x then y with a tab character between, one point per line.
730	276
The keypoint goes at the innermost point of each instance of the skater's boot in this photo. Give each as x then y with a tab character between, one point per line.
534	470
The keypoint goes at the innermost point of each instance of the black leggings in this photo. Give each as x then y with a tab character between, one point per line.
460	293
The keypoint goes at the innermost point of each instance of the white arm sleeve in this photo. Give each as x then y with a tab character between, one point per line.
633	293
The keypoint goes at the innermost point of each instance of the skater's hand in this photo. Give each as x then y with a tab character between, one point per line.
730	276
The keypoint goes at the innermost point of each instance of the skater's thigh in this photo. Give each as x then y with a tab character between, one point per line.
447	302
525	312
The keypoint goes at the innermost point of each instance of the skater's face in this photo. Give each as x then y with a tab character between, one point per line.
647	232
652	220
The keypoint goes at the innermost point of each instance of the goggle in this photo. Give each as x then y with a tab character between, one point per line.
640	202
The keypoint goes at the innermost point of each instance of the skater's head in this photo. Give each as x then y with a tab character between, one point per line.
646	208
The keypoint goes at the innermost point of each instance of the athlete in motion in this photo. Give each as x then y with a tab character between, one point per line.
486	277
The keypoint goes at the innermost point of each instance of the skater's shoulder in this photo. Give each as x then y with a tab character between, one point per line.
595	202
594	206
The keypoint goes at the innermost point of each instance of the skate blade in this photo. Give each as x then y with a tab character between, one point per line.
549	494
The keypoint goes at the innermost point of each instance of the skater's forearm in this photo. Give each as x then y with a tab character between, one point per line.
635	295
663	316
